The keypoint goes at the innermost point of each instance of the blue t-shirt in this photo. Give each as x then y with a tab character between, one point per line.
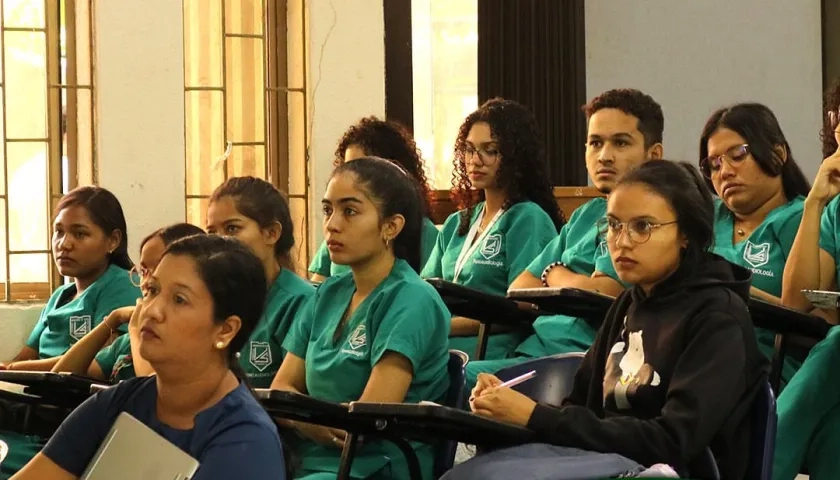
235	438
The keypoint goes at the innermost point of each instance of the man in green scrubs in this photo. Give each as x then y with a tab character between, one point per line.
624	129
403	314
262	355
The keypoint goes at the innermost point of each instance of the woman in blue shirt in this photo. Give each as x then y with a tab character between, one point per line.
375	335
199	308
497	233
373	137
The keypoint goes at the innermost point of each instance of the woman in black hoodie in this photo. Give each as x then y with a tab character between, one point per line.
675	366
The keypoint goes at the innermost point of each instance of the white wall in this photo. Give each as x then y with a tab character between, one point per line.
346	82
695	56
140	110
139	88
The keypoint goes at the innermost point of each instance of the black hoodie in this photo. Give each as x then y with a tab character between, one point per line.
668	375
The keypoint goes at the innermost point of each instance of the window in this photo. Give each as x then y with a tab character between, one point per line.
46	99
245	101
445	66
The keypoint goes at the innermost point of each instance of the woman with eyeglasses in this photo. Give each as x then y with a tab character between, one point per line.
674	368
88	245
117	361
809	407
760	191
502	228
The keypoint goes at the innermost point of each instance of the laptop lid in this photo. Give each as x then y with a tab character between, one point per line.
133	451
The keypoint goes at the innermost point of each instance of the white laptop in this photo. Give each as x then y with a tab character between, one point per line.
133	451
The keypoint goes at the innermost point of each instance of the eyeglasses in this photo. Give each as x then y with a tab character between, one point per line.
488	157
735	155
138	274
638	229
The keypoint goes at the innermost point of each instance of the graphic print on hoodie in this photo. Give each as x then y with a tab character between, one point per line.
626	369
671	372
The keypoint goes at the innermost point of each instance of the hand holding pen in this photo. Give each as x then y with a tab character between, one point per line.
491	399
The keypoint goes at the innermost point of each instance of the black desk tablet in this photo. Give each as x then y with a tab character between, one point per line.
430	423
574	302
795	333
485	308
50	386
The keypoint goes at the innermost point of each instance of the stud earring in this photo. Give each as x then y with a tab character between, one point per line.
220	344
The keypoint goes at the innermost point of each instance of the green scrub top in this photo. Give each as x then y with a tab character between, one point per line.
65	320
517	236
764	253
262	355
402	314
583	251
829	234
322	265
115	360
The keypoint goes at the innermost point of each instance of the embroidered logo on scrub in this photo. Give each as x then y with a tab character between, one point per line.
260	355
357	341
79	326
757	255
492	246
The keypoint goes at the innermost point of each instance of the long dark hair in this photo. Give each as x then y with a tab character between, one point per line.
394	192
831	103
522	174
261	202
235	278
682	186
762	132
105	211
172	232
392	141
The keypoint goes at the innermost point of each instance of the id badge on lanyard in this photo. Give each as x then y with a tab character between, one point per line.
471	242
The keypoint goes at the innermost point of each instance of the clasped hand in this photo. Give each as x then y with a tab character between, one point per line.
490	399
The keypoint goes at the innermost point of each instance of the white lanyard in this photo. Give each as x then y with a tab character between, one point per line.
471	243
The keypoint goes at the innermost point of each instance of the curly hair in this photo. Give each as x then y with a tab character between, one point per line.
391	141
831	104
522	173
635	103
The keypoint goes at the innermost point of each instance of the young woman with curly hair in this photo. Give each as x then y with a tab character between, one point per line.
507	211
372	137
809	406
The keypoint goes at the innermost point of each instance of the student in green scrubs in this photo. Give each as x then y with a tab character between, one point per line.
624	129
808	432
760	191
88	245
116	362
391	141
496	234
375	335
257	214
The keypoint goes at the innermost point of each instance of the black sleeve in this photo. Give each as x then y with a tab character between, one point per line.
709	379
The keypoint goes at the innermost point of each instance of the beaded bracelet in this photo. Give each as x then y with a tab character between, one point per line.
544	276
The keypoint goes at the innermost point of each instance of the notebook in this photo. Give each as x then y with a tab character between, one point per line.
133	451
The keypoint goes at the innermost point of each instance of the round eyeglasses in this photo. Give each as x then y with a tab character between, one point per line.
638	229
